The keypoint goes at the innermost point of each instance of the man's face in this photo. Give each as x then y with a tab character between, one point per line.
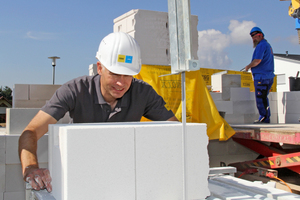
113	86
256	38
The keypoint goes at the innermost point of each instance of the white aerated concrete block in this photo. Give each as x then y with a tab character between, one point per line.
217	96
2	178
128	161
273	107
235	118
244	107
13	178
18	118
292	107
292	96
12	155
252	96
21	92
29	103
42	92
274	118
225	106
14	195
239	94
272	96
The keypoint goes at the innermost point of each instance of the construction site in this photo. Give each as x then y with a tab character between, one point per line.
214	152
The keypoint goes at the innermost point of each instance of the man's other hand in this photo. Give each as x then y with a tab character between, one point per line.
38	178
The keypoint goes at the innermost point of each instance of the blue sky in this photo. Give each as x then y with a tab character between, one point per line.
33	30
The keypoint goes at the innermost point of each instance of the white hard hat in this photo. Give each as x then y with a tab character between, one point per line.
120	54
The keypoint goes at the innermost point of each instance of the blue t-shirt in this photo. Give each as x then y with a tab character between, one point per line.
265	69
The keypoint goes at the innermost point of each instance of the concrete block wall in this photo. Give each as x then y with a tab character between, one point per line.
241	107
12	186
239	103
288	107
32	96
222	82
133	161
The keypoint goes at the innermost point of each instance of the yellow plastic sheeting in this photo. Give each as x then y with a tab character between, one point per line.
200	106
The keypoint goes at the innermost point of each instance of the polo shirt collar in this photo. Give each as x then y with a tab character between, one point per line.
124	101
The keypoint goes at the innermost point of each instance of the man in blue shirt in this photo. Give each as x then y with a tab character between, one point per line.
262	68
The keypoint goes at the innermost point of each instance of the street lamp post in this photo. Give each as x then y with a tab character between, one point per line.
53	64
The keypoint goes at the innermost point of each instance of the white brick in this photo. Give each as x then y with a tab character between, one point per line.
2	178
12	156
14	178
239	94
292	107
114	163
235	118
244	107
292	96
229	81
292	118
2	156
217	96
273	107
42	92
225	106
153	155
274	118
14	195
29	103
18	118
2	141
252	96
250	118
21	92
281	107
273	96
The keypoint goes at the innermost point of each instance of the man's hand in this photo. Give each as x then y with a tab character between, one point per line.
247	68
38	178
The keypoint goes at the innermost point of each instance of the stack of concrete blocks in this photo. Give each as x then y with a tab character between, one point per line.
141	160
12	186
238	103
28	99
151	30
288	107
32	96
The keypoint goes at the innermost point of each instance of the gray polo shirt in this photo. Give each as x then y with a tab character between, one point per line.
82	98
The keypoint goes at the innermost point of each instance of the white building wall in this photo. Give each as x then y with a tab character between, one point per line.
285	68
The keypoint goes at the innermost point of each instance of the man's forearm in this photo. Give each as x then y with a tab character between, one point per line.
254	63
27	150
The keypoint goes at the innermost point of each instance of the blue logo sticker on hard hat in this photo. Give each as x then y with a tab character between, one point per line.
128	59
124	59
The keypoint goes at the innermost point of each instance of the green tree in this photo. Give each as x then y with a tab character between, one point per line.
6	92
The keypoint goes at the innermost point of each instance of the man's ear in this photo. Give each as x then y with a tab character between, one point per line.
99	68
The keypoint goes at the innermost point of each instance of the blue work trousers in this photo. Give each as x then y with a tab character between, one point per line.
262	88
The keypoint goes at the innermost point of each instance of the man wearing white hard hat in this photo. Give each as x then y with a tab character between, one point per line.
112	95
